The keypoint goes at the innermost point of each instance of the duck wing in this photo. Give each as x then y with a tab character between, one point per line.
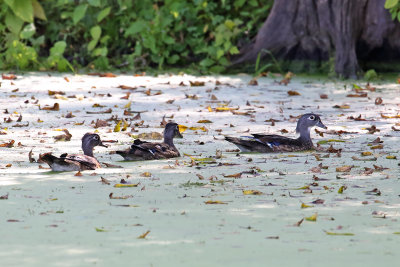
280	143
249	144
70	162
87	162
155	150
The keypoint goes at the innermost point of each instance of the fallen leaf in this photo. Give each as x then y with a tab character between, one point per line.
299	223
105	181
367	153
100	230
378	101
4	196
214	202
304	206
312	218
126	185
293	93
344	234
341	189
55	107
252	192
204	121
78	174
111	196
196	83
253	82
145	174
9	144
344	168
143	236
8	77
30	154
345	106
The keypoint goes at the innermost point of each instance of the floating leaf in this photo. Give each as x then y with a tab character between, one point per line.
55	107
293	93
322	142
341	189
252	192
312	218
126	185
145	174
304	206
100	230
215	202
367	153
143	236
391	157
334	233
236	175
9	144
117	127
111	196
344	169
204	121
128	105
196	83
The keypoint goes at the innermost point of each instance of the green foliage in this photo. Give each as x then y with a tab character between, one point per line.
394	8
371	75
65	34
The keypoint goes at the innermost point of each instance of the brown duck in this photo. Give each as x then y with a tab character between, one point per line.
142	150
76	162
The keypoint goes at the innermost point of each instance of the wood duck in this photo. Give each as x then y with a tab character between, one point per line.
276	143
76	162
142	150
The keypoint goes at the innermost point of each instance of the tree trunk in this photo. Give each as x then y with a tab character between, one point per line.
315	29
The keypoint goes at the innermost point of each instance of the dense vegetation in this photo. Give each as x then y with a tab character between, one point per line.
66	35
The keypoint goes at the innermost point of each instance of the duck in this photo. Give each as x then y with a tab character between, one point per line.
76	162
142	150
265	143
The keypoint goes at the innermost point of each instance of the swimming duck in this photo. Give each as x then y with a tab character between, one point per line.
276	143
76	162
142	150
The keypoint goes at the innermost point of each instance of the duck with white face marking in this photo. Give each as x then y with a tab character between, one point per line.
264	143
76	162
142	150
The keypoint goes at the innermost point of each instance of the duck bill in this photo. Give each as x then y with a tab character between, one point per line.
103	145
178	134
320	124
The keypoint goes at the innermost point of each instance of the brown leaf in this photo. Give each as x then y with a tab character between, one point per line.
378	101
253	82
236	175
55	107
344	106
358	95
344	168
373	129
143	236
31	159
293	93
105	181
55	92
125	87
8	77
111	196
78	174
4	196
101	123
214	202
63	137
323	96
196	83
9	144
299	222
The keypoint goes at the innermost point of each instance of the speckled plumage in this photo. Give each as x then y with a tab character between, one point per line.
276	143
142	150
76	162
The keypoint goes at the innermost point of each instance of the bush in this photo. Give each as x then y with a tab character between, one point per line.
102	34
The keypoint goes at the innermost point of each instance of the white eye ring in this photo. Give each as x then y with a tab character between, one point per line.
312	118
96	137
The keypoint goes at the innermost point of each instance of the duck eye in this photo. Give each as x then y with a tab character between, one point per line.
96	137
312	117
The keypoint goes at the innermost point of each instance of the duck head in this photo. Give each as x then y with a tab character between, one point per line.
171	131
89	141
307	121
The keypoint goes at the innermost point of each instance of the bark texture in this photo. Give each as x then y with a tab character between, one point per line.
351	30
